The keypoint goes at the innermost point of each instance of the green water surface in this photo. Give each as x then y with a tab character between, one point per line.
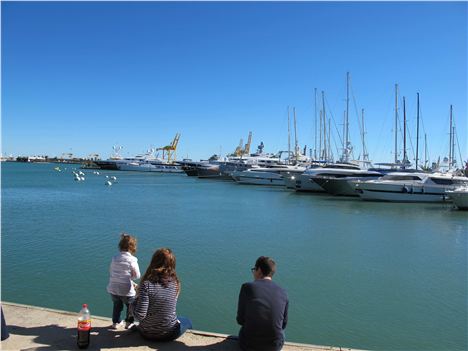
366	275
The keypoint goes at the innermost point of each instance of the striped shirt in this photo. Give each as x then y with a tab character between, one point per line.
124	267
155	309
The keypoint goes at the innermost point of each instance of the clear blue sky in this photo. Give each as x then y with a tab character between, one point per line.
83	76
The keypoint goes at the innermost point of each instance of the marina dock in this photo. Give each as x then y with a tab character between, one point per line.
37	328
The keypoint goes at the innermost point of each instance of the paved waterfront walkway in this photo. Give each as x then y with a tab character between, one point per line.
35	328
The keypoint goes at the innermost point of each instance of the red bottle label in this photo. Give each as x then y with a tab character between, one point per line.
84	325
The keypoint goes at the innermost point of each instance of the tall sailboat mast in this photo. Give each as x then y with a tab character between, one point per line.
329	153
404	132
320	136
324	127
396	123
453	147
425	150
346	153
315	119
289	138
450	143
343	142
417	134
365	156
295	135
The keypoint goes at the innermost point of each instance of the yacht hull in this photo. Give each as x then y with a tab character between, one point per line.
258	178
460	199
108	165
304	183
150	168
401	193
212	173
339	187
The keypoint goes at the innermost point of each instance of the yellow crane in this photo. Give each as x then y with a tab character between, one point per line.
246	150
242	149
170	150
238	151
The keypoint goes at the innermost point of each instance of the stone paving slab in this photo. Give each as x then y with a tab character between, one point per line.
36	328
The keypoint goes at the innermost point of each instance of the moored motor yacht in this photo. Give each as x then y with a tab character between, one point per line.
338	183
459	197
266	175
304	181
409	187
160	167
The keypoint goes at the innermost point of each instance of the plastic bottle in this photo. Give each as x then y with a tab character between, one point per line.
84	327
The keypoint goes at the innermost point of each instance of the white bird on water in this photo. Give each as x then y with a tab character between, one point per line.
108	183
114	178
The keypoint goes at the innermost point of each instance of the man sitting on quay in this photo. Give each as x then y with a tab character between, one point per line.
262	310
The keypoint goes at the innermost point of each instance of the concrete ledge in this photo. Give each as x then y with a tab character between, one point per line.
36	328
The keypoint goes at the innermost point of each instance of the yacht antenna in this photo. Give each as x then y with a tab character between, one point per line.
417	135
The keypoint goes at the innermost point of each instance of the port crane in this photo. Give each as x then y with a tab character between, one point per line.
170	150
247	146
239	152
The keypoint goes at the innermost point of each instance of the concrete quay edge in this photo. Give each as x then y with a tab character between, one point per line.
39	328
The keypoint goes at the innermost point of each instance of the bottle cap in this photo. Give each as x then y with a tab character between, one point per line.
85	305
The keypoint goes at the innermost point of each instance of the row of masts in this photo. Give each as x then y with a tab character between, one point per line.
405	161
322	134
324	148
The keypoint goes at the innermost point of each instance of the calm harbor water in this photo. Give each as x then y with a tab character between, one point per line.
366	275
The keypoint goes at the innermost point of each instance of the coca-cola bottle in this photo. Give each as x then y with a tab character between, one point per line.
84	327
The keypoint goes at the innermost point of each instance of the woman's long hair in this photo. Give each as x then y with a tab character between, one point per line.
162	268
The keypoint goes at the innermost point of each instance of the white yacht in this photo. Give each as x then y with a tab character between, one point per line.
409	187
338	183
305	182
459	197
149	166
266	175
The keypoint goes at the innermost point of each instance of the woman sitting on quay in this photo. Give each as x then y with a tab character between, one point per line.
155	306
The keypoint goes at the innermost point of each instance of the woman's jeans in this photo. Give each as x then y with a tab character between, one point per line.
119	302
184	324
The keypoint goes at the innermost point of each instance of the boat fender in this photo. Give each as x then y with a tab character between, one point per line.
404	189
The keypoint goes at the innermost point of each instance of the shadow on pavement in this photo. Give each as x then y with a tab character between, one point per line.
55	337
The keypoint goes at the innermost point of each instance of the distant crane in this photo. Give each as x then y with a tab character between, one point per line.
170	150
238	152
246	150
242	149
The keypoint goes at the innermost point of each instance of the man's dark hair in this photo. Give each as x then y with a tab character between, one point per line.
266	265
